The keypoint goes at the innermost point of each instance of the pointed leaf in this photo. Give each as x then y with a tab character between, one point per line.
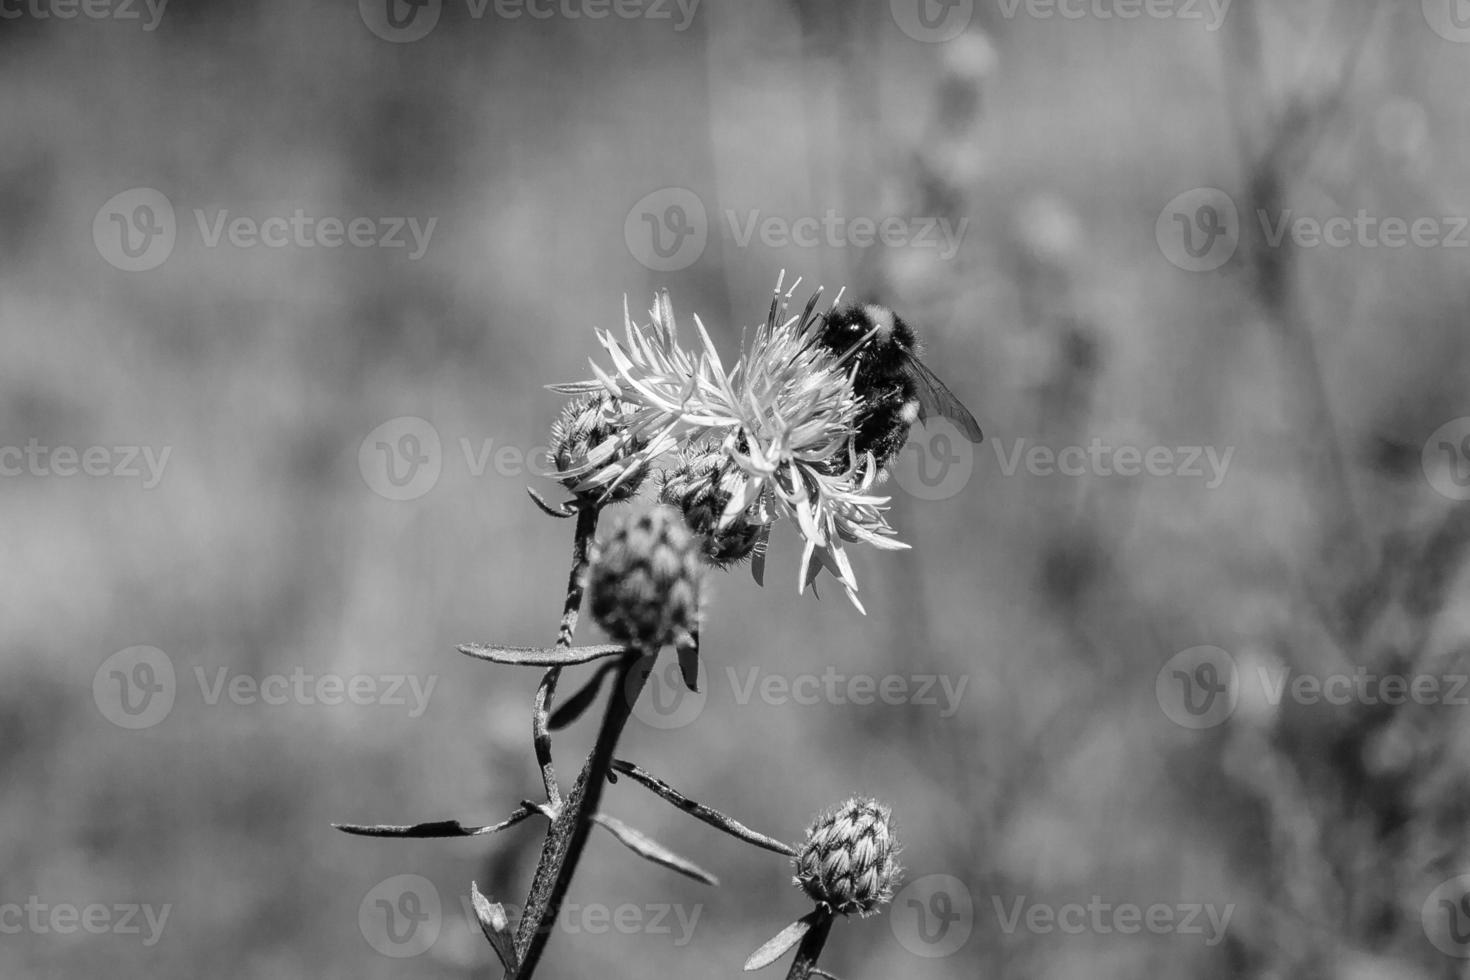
758	556
688	651
646	847
575	706
435	828
699	811
541	656
562	511
781	942
496	927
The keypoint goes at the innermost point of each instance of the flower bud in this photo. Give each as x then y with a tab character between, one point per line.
645	580
584	424
700	488
847	862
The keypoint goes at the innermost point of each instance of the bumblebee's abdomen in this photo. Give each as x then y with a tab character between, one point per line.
889	409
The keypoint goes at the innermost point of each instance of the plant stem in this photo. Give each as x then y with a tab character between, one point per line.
568	835
540	724
810	948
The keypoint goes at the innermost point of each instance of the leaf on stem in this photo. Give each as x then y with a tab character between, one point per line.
782	941
575	706
542	656
496	927
699	811
687	646
647	847
562	510
434	828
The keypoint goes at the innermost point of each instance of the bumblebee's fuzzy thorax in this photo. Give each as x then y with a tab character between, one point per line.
886	341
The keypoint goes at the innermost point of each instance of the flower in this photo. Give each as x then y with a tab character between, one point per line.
586	423
785	415
701	487
847	862
645	581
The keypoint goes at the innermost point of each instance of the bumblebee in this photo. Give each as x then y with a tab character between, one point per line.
893	386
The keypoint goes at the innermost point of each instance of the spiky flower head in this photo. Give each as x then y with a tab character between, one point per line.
701	487
848	861
585	423
645	580
785	415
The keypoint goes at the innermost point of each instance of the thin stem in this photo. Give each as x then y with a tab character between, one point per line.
810	948
564	844
540	715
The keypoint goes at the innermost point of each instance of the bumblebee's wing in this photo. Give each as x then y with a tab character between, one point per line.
936	399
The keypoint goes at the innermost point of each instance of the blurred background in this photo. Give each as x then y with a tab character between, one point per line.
281	287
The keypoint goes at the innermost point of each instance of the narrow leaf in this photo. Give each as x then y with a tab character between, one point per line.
688	650
781	942
435	828
699	811
758	557
541	656
562	511
647	847
575	706
496	927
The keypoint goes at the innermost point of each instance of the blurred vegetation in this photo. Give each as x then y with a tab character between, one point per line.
1059	599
